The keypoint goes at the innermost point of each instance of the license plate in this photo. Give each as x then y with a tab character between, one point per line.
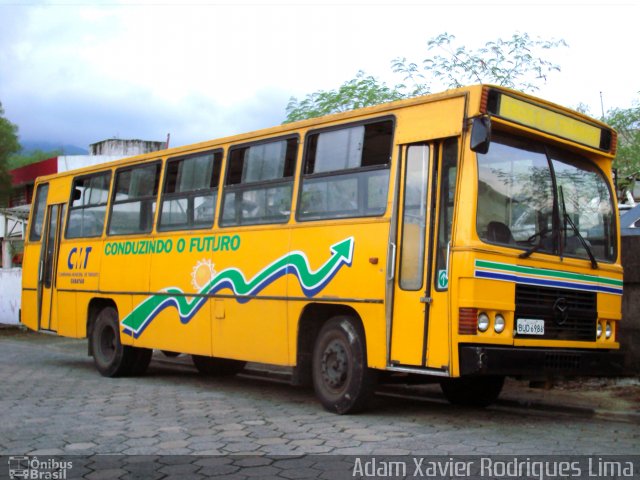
529	326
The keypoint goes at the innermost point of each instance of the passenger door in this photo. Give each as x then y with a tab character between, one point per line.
420	327
48	267
412	281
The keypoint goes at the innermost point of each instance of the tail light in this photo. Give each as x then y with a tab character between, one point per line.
468	321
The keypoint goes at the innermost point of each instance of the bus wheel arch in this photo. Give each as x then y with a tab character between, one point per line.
311	320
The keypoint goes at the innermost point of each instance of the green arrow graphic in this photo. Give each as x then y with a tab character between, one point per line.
294	263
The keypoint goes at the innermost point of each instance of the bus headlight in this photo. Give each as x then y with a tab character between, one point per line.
599	330
499	324
608	330
483	322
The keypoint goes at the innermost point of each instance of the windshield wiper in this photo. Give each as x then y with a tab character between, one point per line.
585	244
527	253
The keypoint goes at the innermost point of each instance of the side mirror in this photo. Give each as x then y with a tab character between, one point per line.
77	194
481	134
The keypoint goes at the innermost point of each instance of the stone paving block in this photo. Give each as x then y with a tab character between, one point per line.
180	469
207	445
172	444
107	474
44	452
239	448
271	441
218	470
260	472
190	476
148	450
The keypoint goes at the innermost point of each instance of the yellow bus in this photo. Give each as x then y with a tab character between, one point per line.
459	237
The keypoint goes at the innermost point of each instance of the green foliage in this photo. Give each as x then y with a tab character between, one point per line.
513	63
22	159
361	91
626	121
8	146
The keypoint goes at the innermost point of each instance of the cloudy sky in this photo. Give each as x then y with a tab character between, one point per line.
77	72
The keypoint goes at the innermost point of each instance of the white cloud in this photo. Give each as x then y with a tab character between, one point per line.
78	74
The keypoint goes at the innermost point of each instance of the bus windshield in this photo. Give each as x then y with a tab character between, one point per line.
539	199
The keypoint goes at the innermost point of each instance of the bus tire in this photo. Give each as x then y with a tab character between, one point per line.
217	367
140	360
341	379
472	391
112	359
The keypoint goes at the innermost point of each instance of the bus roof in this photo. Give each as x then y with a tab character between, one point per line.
474	107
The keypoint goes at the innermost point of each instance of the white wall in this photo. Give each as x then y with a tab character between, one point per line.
10	286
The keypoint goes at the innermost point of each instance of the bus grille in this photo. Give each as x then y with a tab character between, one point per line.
567	314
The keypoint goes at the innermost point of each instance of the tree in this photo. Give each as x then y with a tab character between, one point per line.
626	121
361	91
516	63
8	146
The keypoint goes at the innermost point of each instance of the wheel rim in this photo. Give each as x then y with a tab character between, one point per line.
335	365
107	344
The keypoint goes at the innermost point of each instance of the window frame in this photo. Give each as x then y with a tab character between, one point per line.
344	172
36	210
113	201
192	193
240	188
71	209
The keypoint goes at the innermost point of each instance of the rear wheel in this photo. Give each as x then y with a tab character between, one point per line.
111	358
341	379
217	367
472	391
140	361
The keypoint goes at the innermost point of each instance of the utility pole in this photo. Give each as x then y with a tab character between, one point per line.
601	107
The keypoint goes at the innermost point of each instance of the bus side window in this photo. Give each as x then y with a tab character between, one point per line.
134	200
88	209
259	183
38	213
190	191
346	172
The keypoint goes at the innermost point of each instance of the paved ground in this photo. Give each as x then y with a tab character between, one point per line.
53	402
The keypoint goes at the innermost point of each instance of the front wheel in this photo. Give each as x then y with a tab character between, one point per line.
341	379
472	391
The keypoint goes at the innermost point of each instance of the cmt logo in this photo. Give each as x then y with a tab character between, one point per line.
78	258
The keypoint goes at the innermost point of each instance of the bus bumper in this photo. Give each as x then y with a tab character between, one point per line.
538	362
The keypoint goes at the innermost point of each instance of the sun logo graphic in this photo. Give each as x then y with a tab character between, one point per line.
202	273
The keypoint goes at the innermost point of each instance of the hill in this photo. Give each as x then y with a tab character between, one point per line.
30	146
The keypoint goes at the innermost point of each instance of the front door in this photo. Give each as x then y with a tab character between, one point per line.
48	268
421	328
412	280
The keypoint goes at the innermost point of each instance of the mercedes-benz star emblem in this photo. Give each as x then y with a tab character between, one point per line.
560	311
